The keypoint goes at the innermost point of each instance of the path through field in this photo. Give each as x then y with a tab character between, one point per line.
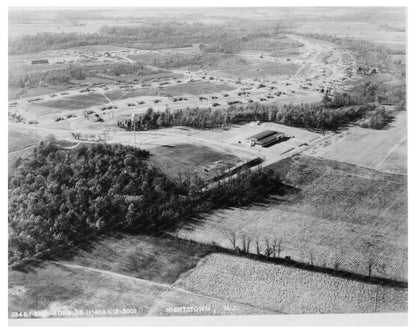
168	290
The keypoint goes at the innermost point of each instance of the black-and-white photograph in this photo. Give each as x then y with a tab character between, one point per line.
221	161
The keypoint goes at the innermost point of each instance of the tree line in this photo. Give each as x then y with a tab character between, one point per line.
332	112
62	196
77	72
157	35
308	115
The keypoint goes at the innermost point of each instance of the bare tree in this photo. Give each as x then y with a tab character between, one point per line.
370	265
246	244
279	249
257	247
274	248
337	263
268	251
232	239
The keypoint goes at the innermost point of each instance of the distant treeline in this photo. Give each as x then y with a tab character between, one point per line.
218	38
78	72
60	197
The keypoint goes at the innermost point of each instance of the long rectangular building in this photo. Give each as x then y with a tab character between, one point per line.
265	138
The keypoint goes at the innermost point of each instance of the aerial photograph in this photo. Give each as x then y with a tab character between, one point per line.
221	161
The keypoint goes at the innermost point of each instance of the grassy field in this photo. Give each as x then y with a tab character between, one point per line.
384	150
19	140
144	257
119	272
258	70
288	290
85	101
194	88
185	158
338	215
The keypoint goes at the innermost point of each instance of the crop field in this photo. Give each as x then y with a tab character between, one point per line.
184	159
201	305
155	259
331	236
54	287
338	215
288	290
119	271
384	150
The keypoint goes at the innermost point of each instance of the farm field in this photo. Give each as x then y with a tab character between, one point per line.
384	150
183	159
288	290
124	207
337	215
156	259
119	272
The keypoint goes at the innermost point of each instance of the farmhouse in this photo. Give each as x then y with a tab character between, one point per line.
266	138
40	61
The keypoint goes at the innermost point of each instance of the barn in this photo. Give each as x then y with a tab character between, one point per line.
266	138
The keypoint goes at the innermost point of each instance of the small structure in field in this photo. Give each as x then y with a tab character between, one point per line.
39	61
266	138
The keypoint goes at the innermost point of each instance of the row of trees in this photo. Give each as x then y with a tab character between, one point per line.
62	196
315	116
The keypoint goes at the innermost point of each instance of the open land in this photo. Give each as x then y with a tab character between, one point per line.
287	290
96	281
381	150
345	200
337	215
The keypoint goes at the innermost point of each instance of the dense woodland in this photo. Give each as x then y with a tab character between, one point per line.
58	196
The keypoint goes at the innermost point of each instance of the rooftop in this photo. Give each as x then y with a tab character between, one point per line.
264	134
